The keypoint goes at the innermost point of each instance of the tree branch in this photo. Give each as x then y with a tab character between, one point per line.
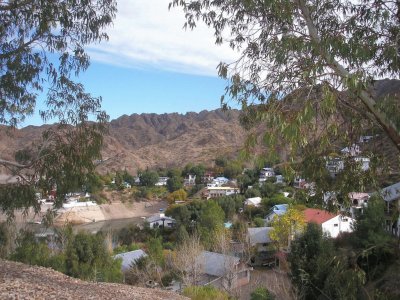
14	5
364	96
13	164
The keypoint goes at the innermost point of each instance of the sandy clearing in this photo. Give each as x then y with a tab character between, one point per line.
104	212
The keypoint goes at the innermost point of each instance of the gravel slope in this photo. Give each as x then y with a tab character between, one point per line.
20	281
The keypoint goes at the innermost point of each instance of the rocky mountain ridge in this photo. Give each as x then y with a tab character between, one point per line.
142	141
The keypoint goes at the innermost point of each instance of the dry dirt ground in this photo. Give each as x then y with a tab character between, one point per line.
20	281
104	212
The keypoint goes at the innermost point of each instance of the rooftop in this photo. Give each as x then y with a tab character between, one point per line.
159	217
129	258
318	216
259	235
217	264
253	201
280	207
221	188
358	196
391	192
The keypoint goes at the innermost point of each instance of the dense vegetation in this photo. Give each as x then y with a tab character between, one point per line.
81	255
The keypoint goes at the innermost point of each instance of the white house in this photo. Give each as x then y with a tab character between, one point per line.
160	220
130	258
279	179
358	202
219	191
220	181
299	183
76	203
331	224
162	181
276	210
266	173
255	201
365	138
391	196
190	180
364	161
353	150
334	165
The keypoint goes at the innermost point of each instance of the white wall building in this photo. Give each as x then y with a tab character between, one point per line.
213	192
266	173
337	225
255	201
162	181
158	220
331	224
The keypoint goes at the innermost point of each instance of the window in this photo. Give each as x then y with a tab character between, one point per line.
336	225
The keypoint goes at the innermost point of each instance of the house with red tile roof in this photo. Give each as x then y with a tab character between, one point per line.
332	224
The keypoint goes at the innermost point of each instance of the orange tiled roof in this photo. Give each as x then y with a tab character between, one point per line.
318	216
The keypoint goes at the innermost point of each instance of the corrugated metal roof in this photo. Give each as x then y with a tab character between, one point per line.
129	258
259	235
217	264
391	192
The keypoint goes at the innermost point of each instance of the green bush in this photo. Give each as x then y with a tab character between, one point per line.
167	279
85	256
259	222
204	293
126	248
261	293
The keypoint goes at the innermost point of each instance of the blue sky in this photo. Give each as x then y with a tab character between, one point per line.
151	65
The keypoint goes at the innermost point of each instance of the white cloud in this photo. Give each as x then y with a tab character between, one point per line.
147	34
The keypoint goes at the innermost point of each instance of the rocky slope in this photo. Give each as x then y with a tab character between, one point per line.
20	281
151	140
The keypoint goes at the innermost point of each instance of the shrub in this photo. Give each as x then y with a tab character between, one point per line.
204	292
261	293
259	222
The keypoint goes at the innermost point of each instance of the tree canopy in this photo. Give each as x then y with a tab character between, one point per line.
285	45
42	51
148	178
305	74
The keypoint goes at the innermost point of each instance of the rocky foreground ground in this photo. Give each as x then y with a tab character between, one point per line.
20	281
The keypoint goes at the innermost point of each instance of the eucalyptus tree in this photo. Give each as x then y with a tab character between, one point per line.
306	70
42	52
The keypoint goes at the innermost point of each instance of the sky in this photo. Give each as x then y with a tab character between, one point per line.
152	65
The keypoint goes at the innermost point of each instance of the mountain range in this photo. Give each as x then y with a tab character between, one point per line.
142	141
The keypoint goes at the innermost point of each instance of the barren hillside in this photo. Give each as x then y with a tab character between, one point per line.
151	140
20	281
